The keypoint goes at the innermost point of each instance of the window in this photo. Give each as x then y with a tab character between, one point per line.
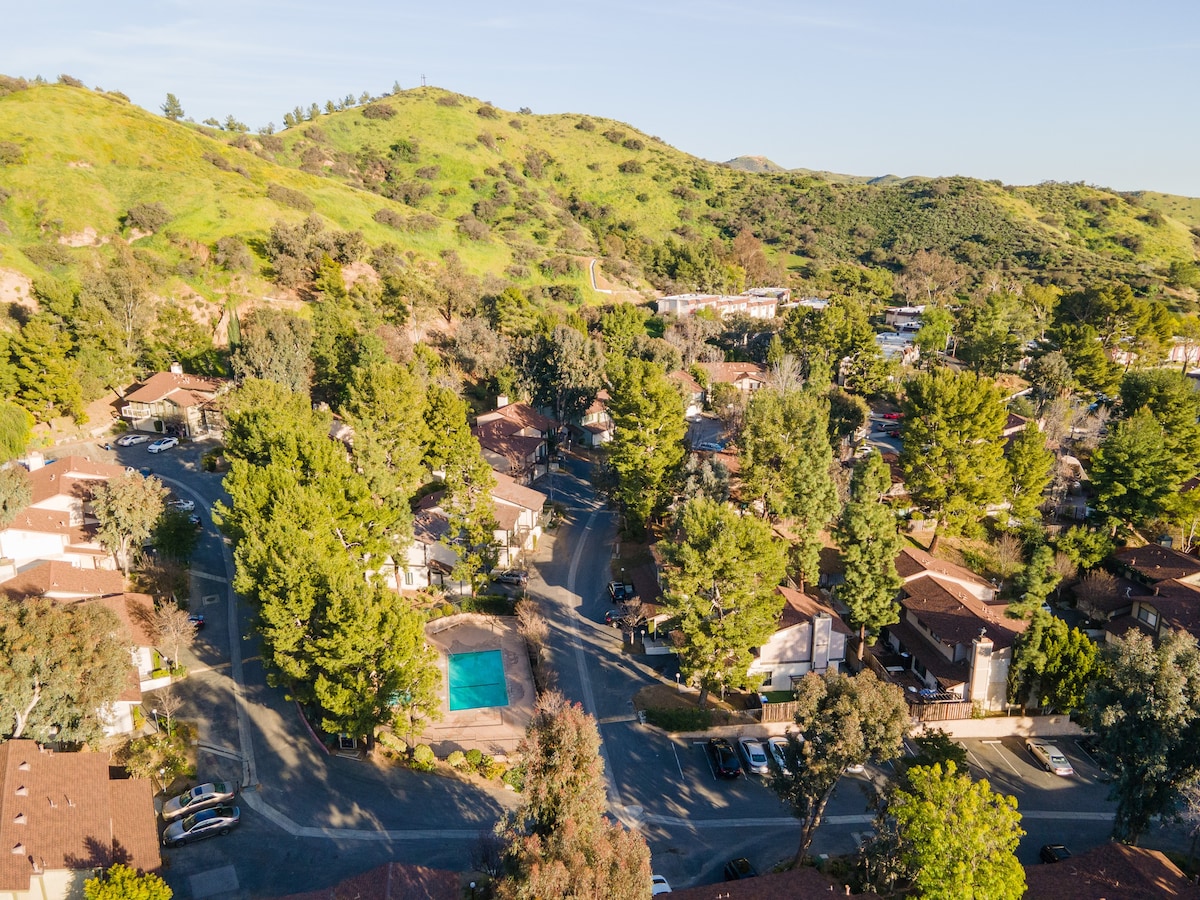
408	578
1149	615
768	677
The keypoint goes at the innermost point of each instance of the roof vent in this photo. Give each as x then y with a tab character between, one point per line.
22	791
19	819
23	767
19	850
53	805
70	802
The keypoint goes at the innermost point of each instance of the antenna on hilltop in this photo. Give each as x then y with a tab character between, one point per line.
422	81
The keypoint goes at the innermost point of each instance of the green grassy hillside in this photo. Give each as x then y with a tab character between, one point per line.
527	199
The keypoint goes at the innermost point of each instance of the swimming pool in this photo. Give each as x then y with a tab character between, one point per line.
476	680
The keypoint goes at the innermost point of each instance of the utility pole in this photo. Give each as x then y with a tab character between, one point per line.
422	81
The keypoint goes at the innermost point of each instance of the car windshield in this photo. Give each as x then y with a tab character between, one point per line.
199	819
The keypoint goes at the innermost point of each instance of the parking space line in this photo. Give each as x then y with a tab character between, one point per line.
678	764
1003	756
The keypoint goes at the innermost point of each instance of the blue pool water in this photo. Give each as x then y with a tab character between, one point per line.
477	680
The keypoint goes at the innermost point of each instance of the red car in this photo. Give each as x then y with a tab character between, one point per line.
893	416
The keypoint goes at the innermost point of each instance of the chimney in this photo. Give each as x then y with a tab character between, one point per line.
35	461
501	401
176	369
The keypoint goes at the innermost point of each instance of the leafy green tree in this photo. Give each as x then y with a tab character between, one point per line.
274	346
1053	663
847	414
844	720
1086	356
341	342
821	338
119	881
565	370
787	466
724	570
123	286
15	494
59	666
647	447
869	540
468	506
622	327
127	508
956	837
1145	710
1175	405
1050	376
16	425
45	375
935	747
1039	577
1084	546
173	110
559	842
174	535
1029	463
1133	472
953	456
934	334
993	333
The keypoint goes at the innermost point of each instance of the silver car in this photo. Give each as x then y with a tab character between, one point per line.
201	797
1050	757
756	756
204	824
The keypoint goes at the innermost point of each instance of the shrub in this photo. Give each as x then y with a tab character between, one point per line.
448	100
585	124
378	111
515	778
48	256
474	757
11	154
630	167
487	139
448	609
389	217
219	161
428	172
423	758
147	216
633	144
491	769
487	111
614	136
472	228
422	222
69	80
286	196
456	760
231	255
271	143
410	192
9	85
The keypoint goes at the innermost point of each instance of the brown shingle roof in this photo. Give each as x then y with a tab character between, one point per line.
1157	563
796	884
948	674
1178	603
686	381
1109	872
508	490
136	612
912	561
731	372
522	415
955	616
392	881
183	390
500	437
65	812
67	475
799	607
54	576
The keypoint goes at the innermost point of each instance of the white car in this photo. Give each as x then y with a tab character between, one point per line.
202	797
658	885
1049	757
182	505
778	748
163	444
130	439
756	756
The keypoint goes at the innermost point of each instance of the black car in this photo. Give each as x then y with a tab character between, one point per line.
737	869
1052	853
724	758
621	593
197	619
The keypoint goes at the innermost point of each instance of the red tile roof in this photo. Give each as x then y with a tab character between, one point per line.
393	881
50	521
686	381
1109	872
54	576
136	612
732	372
71	476
64	811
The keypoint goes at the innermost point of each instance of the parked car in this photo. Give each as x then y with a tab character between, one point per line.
737	869
181	505
128	440
196	521
710	446
163	444
621	593
1052	853
658	885
511	576
204	824
892	432
201	797
756	756
197	619
778	748
724	758
1049	757
895	416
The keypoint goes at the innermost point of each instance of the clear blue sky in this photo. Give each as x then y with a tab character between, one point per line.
1078	90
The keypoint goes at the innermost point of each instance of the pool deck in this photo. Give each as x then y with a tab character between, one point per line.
495	730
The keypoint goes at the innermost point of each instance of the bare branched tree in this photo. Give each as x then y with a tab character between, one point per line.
174	629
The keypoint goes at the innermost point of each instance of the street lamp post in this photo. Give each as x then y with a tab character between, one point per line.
678	686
